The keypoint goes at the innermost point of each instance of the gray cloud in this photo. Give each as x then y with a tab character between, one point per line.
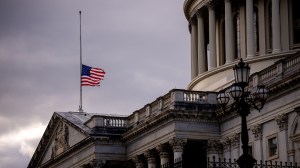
142	45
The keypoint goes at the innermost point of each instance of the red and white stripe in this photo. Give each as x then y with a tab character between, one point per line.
96	74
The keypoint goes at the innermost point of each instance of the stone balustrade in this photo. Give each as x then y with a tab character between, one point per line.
107	121
278	71
176	99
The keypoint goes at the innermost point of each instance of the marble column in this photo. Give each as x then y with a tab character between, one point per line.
229	41
261	27
201	43
178	146
194	50
250	28
276	27
284	25
211	57
163	153
150	155
282	122
258	144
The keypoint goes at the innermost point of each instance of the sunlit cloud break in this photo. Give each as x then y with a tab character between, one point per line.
22	138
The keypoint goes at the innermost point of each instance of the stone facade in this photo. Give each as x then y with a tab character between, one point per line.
189	125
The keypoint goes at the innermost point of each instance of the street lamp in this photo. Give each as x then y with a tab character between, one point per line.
243	101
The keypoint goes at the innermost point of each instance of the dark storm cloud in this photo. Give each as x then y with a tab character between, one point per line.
142	45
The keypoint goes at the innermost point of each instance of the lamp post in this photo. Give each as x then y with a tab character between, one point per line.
243	101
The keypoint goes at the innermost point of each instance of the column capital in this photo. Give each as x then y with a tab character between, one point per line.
214	146
97	163
193	22
257	131
163	151
150	156
211	5
177	144
226	143
138	160
235	140
282	121
199	13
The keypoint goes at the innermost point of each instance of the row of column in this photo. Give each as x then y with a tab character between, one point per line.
200	55
163	151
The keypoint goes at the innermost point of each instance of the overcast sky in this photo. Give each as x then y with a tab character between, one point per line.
143	45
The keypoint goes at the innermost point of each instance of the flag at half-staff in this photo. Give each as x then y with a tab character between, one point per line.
91	76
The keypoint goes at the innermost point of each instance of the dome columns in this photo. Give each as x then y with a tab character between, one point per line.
194	50
225	30
276	26
201	43
250	29
211	56
229	44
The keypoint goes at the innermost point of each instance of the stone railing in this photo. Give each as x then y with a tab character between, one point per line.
107	121
175	99
114	122
281	69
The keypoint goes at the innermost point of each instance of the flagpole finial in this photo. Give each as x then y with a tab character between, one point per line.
80	12
80	109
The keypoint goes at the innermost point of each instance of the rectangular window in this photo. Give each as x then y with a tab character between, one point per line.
272	147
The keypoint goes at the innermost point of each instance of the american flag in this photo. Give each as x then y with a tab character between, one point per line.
91	76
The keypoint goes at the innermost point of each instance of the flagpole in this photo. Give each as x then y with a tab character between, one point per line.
80	101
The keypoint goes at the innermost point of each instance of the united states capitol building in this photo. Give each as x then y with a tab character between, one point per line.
188	126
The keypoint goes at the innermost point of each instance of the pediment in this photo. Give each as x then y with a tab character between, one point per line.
59	136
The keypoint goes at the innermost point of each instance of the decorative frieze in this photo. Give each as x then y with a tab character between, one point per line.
282	121
257	131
